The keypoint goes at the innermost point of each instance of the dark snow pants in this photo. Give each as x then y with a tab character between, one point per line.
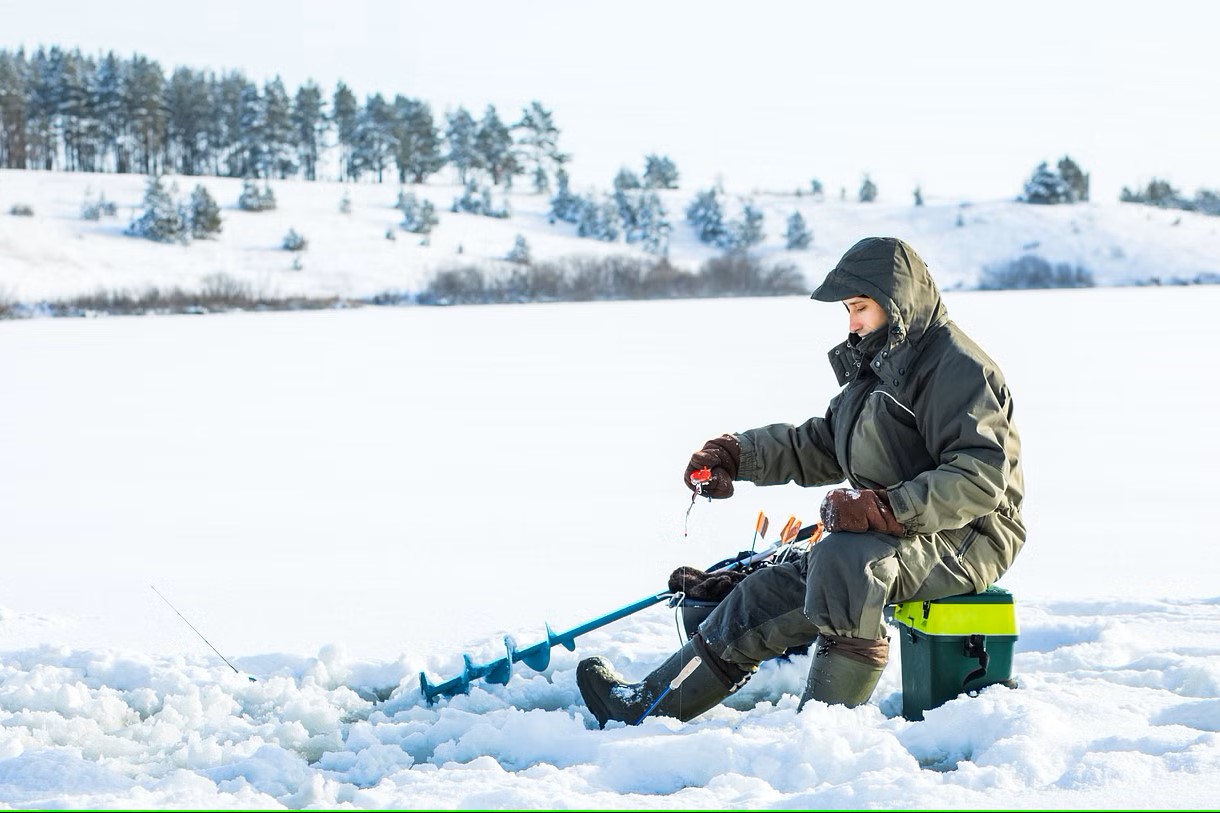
840	587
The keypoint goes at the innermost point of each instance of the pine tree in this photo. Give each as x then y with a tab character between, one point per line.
417	150
868	190
706	215
660	172
918	196
345	114
626	179
797	237
599	220
460	134
277	131
520	252
295	241
309	127
748	232
249	134
539	144
565	206
373	146
417	216
652	226
494	144
190	109
1046	186
1076	179
253	199
144	98
203	214
162	220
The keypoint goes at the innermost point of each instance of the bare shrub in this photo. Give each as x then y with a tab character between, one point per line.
618	277
1031	271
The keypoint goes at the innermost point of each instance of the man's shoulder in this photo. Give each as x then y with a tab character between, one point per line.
950	349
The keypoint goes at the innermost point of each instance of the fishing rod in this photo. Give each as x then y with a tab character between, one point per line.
200	634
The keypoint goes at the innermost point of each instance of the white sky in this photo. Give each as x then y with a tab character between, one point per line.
965	100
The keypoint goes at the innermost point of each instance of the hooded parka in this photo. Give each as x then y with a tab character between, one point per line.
924	413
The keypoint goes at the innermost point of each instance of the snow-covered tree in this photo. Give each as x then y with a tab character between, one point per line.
651	229
203	214
418	216
797	236
308	127
494	144
345	113
660	172
626	179
1046	186
253	199
374	145
460	138
565	206
477	201
538	143
747	232
277	131
520	252
162	220
417	147
868	190
294	241
705	214
1077	180
599	220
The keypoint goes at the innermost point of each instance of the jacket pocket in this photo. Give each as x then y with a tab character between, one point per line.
964	546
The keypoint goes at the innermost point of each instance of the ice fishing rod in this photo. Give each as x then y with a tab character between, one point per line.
200	634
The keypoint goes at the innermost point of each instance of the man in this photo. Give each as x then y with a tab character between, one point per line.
923	432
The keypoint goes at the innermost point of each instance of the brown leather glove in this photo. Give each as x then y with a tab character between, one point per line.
722	455
860	510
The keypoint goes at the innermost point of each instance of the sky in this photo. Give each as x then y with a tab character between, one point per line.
963	101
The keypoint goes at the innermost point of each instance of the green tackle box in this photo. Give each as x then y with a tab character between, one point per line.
954	645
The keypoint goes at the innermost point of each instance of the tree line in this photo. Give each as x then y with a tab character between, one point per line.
64	110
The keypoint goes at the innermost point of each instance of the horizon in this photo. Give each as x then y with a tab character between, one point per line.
969	118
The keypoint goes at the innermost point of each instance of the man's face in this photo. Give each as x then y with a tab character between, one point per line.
864	315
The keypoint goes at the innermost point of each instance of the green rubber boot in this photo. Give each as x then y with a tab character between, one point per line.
845	671
610	697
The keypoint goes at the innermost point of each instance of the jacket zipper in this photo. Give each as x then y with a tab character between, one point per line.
851	432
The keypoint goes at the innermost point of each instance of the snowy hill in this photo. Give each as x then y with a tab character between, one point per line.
55	254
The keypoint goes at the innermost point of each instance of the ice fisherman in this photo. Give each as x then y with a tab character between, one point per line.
923	432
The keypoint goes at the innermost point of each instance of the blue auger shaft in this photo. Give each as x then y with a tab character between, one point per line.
537	656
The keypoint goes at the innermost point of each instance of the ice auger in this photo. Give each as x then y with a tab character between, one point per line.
538	656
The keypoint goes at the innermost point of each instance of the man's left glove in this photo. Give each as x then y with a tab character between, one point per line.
722	455
860	510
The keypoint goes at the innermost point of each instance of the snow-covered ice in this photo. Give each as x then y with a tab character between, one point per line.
338	500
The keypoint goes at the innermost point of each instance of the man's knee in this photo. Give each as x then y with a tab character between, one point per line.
760	618
850	577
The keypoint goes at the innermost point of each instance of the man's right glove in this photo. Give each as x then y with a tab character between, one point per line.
860	510
722	455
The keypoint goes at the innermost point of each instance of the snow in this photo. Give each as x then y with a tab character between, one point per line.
340	500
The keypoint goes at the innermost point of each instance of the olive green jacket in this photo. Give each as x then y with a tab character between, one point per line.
924	413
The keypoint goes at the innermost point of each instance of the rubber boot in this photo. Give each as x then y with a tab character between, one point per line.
845	671
610	697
